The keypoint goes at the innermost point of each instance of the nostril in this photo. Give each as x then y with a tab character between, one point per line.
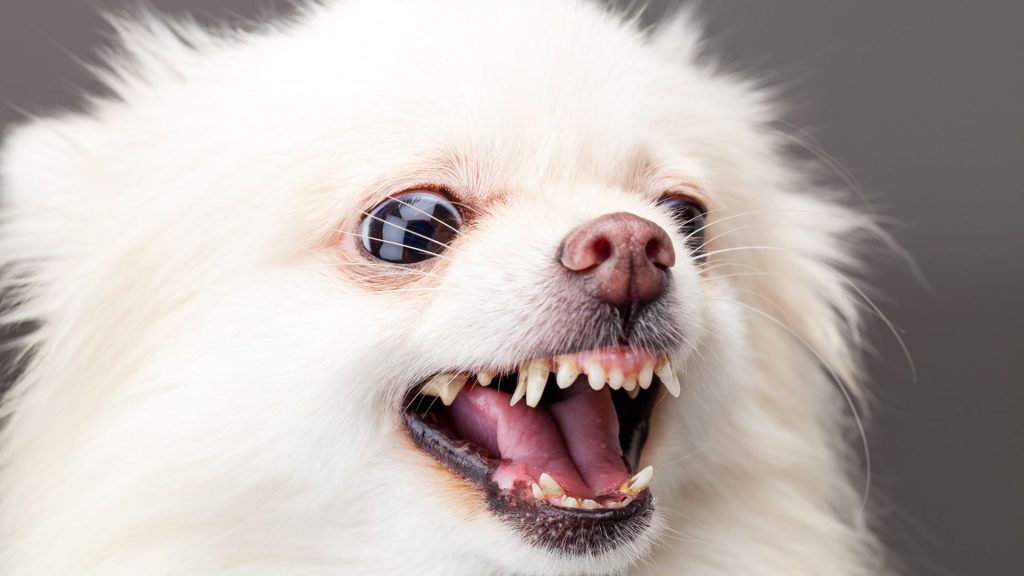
601	248
653	250
659	251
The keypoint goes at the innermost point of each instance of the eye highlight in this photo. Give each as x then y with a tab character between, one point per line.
690	218
410	227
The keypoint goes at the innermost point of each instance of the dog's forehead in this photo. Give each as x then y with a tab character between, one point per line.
511	104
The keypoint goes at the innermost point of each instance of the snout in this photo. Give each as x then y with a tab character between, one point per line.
623	259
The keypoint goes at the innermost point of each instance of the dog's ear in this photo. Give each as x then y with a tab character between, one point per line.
154	51
46	161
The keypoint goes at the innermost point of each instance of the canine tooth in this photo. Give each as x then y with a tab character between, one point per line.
536	378
567	373
484	378
616	378
589	504
570	502
550	486
629	384
639	482
445	386
668	377
537	492
595	374
520	386
633	393
646	375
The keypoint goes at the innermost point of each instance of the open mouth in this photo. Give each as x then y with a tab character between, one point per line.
555	444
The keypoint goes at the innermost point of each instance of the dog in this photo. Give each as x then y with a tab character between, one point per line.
444	287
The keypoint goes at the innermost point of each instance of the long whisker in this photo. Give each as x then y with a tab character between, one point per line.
876	310
738	249
736	229
432	254
398	269
839	384
431	216
717	221
406	230
403	270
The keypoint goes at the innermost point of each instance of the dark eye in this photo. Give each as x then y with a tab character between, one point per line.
410	227
690	220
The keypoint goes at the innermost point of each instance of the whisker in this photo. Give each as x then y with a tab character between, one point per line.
738	249
875	309
406	230
431	216
839	384
717	221
402	271
433	254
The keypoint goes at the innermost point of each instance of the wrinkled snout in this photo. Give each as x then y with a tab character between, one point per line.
623	257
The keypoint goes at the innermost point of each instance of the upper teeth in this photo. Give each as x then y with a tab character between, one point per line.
445	386
533	378
668	376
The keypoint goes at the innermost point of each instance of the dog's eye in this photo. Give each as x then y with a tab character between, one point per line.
410	227
690	218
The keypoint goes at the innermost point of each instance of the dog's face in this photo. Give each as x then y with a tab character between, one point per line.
423	285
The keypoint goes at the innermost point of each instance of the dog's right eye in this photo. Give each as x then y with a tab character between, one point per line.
410	227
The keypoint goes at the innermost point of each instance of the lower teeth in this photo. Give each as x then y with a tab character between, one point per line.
549	491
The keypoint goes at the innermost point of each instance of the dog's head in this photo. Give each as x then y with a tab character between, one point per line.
419	284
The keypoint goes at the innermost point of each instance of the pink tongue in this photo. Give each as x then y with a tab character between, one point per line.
575	440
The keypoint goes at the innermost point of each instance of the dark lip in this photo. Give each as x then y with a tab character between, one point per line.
572	531
578	532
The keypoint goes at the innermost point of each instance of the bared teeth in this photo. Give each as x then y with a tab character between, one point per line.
646	375
538	493
595	375
533	376
445	386
547	490
567	372
520	390
616	378
639	482
536	379
550	486
668	377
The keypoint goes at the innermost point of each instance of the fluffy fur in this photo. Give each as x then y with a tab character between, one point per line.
214	384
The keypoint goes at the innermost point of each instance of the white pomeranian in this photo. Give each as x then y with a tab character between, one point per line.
447	287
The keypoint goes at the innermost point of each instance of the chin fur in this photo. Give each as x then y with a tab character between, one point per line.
215	382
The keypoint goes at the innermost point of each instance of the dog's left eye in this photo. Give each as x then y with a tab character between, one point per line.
690	217
410	227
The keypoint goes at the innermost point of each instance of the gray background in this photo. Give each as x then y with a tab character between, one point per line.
920	101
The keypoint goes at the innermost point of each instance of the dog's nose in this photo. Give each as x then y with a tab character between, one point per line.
624	256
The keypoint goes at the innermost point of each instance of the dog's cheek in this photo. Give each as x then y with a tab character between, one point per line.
688	433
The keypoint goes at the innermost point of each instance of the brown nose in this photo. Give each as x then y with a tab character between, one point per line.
623	255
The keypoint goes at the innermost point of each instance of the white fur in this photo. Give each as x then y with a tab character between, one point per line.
211	393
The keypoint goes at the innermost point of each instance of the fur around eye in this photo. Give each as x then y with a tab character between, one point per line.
691	221
410	227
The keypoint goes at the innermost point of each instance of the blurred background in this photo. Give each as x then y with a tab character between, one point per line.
919	101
